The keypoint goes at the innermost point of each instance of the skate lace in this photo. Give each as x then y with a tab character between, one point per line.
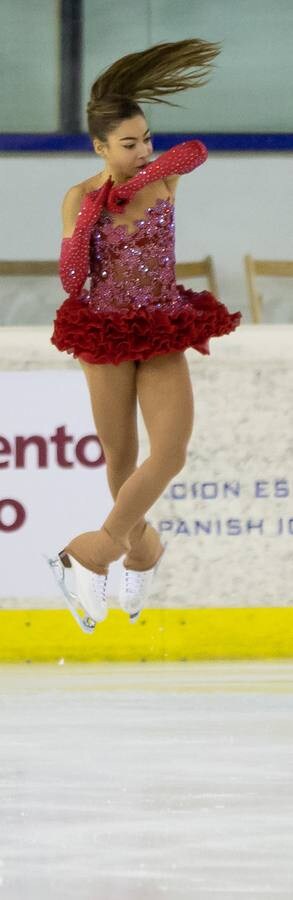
96	586
134	580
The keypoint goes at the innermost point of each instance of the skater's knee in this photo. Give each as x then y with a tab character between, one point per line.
178	459
172	458
121	457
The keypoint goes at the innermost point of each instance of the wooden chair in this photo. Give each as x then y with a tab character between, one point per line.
196	270
50	267
254	267
29	267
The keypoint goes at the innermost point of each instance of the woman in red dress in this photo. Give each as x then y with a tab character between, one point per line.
130	326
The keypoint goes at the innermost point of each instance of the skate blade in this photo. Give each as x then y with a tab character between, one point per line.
85	622
134	616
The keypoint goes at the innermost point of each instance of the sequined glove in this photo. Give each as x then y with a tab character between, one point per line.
74	255
177	161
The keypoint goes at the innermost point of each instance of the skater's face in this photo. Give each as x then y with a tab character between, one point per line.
128	148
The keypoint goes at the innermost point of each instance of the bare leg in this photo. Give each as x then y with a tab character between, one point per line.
113	400
164	392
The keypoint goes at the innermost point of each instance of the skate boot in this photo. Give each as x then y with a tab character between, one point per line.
84	587
135	583
84	591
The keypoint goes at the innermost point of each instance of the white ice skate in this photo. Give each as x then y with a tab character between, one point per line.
84	590
135	588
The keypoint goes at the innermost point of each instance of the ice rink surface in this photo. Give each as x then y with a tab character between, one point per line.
138	781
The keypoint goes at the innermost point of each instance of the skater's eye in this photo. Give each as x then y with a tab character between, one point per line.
129	146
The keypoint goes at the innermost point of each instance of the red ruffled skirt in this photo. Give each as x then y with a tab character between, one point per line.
139	333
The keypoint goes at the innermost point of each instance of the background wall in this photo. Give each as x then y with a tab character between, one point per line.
227	516
236	203
237	543
231	205
249	89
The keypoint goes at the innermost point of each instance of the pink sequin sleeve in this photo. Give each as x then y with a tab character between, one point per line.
178	160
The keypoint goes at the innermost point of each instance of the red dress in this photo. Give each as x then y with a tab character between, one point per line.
133	308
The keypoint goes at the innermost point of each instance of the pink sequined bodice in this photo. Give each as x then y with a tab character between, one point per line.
136	267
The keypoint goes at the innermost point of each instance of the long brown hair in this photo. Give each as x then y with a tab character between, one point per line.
146	76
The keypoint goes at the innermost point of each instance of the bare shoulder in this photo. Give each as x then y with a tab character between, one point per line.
93	183
70	207
72	202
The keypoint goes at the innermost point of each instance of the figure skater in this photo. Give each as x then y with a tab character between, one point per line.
130	327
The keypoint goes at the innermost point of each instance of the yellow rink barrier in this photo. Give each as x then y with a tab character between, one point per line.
159	634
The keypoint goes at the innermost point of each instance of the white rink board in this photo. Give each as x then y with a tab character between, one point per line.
228	515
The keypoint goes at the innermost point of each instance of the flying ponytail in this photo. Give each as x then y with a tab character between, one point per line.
147	77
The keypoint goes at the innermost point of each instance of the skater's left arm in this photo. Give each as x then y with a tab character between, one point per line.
174	162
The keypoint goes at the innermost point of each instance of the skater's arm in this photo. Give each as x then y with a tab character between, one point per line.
177	161
80	211
71	268
70	209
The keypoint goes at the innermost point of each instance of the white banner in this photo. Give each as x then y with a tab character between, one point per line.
228	515
53	475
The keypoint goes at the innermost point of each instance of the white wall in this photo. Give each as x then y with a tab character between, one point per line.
232	205
227	515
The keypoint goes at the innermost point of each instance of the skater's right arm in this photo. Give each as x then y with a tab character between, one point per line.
70	209
80	210
73	261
